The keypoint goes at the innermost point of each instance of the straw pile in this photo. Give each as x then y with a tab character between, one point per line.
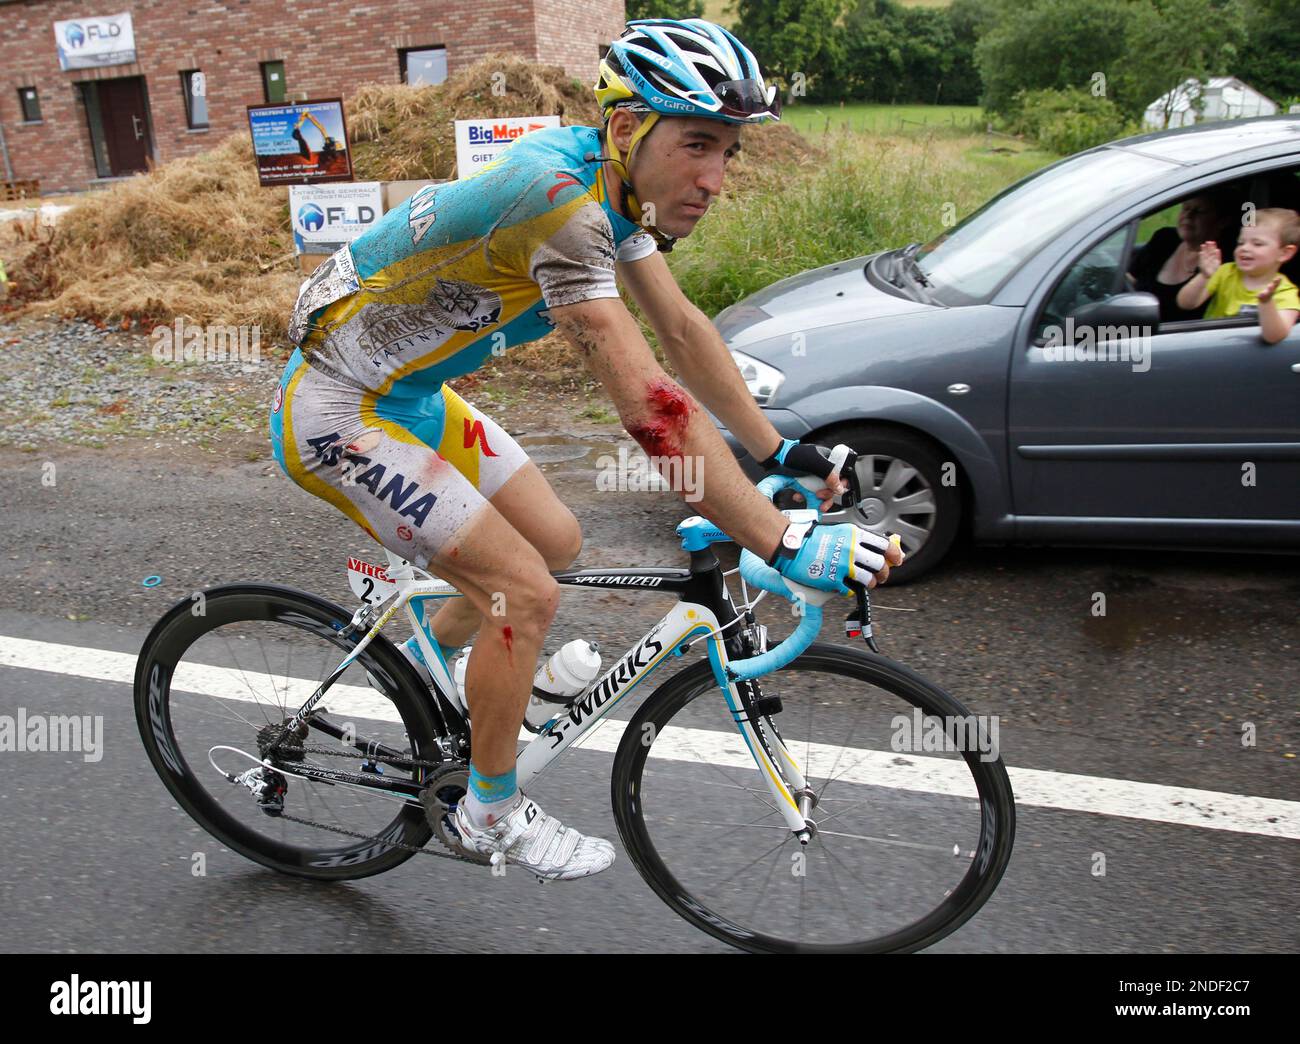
199	237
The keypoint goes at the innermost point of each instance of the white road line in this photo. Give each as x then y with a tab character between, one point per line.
1123	798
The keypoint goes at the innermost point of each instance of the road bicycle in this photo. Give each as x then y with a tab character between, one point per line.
732	794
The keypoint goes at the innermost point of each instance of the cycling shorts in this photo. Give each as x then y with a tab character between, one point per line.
410	471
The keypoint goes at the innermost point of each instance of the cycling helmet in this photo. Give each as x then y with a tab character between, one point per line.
663	66
685	68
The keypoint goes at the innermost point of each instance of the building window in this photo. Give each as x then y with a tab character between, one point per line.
30	103
273	82
423	65
194	86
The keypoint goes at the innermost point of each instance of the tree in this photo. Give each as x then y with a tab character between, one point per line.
664	9
1177	40
873	54
1060	44
797	42
1130	51
1271	60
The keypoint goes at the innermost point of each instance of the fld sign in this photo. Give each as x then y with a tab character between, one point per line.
479	142
327	216
89	43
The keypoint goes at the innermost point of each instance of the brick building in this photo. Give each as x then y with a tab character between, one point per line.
198	63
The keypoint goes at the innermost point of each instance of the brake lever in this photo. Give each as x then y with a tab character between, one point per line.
848	473
858	621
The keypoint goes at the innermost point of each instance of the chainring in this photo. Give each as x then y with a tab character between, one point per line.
447	786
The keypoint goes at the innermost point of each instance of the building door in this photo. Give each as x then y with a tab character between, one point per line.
124	117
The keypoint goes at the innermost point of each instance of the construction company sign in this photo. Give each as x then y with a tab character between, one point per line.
89	43
327	216
479	142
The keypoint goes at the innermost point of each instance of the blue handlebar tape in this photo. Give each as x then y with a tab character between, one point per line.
758	573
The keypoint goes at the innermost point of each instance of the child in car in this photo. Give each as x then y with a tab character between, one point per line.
1254	284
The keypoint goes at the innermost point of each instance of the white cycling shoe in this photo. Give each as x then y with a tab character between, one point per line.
536	841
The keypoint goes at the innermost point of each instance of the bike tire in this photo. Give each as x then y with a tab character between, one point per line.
247	604
988	862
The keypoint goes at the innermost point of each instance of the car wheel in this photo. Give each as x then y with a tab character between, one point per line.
901	477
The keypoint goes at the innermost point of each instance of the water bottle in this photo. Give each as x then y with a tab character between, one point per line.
559	680
458	678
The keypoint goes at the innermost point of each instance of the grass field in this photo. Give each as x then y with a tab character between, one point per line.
869	192
813	120
720	11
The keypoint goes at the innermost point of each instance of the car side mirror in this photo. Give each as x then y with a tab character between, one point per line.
1131	309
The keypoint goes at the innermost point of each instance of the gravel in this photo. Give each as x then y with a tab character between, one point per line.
72	381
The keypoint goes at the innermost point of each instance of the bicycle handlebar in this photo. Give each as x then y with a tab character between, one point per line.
757	573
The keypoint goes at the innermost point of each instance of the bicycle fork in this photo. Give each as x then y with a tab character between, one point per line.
781	773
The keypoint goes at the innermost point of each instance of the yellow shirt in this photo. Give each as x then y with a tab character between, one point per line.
1230	296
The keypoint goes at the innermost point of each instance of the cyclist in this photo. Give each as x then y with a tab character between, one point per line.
531	242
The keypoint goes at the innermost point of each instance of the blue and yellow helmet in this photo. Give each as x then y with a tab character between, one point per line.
685	68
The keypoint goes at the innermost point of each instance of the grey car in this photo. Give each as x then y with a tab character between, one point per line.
962	370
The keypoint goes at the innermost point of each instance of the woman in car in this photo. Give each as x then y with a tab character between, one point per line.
1168	260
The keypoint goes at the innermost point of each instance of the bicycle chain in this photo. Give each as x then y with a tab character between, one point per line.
397	761
379	840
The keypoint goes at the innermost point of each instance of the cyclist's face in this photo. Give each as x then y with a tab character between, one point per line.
679	168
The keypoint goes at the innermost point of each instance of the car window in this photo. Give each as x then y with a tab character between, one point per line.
1166	218
1095	276
968	263
1231	203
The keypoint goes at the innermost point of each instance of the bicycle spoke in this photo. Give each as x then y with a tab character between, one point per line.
766	881
244	678
890	841
742	869
843	865
270	676
234	716
761	795
871	870
699	759
242	652
822	821
738	826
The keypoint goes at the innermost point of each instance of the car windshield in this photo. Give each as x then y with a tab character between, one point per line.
966	264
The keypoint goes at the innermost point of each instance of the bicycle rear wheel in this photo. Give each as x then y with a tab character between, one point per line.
209	686
909	841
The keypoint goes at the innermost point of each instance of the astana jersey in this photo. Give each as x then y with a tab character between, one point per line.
464	270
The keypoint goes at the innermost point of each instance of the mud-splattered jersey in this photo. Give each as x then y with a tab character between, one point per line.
466	269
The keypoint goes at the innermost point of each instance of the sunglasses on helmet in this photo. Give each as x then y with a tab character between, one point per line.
742	99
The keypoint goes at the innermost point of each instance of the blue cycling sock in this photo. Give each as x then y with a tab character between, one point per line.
490	798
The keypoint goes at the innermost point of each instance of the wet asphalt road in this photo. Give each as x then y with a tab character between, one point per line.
98	858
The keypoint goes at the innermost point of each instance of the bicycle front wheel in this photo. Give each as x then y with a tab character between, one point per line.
910	835
217	678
